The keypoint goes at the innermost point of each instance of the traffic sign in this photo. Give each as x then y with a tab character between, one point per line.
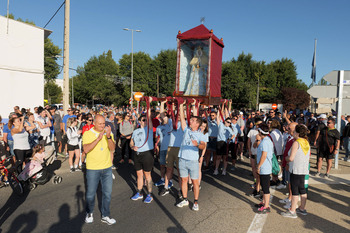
332	77
274	106
138	96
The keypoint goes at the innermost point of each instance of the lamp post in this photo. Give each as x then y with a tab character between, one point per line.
132	60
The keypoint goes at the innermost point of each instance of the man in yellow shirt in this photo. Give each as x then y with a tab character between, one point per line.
98	143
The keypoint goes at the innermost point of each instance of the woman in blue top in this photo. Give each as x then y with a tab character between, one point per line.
225	134
264	167
143	159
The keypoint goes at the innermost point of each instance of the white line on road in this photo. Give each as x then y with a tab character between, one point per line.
259	219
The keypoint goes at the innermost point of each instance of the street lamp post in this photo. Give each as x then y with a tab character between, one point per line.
132	61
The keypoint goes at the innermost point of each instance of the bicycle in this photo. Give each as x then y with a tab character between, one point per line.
15	184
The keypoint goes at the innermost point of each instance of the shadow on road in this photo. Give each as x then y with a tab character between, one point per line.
67	223
26	222
11	206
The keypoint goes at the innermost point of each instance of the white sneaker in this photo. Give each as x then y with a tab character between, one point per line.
224	172
216	172
285	201
281	186
195	207
242	159
108	220
89	218
182	203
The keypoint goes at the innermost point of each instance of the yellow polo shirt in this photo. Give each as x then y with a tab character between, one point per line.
100	157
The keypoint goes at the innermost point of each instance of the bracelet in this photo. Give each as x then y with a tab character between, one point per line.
109	137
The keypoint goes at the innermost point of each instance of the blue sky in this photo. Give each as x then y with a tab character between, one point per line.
269	29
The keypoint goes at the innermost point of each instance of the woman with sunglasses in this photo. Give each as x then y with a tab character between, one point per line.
89	125
225	134
143	160
73	135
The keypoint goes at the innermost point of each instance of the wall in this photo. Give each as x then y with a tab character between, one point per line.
21	66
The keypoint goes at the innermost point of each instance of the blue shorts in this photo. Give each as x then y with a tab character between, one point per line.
189	167
162	156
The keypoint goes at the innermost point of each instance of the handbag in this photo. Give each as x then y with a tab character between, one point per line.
274	161
275	165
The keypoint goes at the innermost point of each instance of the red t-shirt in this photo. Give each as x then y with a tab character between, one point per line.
87	127
289	144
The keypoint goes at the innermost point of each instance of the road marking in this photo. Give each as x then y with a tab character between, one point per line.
259	219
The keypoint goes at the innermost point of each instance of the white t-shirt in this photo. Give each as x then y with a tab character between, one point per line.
277	138
44	121
252	135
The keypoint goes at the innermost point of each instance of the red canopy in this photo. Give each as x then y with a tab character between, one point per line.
199	32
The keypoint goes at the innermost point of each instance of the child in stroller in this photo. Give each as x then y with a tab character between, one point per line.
37	171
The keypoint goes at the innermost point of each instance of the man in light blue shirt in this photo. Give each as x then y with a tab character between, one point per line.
192	142
163	132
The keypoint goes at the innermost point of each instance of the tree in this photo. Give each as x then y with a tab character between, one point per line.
144	79
295	98
98	80
164	65
52	92
51	67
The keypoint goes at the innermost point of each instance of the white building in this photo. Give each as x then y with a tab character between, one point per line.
21	65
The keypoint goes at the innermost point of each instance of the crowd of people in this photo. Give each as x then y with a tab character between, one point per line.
197	139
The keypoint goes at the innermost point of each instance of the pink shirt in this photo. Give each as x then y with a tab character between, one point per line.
40	156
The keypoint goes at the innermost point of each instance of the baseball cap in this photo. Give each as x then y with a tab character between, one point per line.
322	116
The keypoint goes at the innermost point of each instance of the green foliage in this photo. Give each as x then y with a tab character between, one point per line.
51	67
240	80
164	65
53	93
97	81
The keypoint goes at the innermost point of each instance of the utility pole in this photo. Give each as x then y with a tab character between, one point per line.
66	57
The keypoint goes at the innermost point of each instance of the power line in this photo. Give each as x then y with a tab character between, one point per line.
55	14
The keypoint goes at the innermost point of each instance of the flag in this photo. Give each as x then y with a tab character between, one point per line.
313	72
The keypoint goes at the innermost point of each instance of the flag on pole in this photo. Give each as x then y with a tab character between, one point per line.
313	72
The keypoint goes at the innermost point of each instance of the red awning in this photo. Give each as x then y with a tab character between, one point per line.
200	32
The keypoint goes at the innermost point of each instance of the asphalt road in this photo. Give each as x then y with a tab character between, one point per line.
224	206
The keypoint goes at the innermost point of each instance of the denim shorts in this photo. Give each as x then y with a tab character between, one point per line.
189	167
162	156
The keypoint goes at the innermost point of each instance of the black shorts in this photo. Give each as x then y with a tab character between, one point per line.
240	139
233	149
22	155
144	161
265	183
297	183
325	154
221	148
72	148
211	145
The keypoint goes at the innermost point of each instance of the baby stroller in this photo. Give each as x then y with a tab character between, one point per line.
36	173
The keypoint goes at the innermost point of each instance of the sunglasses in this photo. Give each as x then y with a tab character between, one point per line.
143	120
228	122
212	115
329	122
89	120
